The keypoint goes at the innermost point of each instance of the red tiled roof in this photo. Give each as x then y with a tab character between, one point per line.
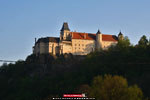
85	36
109	37
90	36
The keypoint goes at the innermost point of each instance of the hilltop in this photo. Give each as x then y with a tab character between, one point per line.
43	76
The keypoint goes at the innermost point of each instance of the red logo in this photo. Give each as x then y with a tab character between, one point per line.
74	95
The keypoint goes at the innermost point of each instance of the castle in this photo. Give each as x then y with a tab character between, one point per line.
76	43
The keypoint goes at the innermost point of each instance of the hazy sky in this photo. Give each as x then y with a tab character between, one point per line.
23	20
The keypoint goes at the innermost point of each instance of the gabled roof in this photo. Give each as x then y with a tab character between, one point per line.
90	36
85	36
49	39
109	37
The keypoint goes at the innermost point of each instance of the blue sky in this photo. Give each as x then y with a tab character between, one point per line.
23	20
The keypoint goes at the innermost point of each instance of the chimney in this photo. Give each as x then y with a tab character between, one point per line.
84	35
35	40
72	34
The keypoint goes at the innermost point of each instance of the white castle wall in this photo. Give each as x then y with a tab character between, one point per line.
82	47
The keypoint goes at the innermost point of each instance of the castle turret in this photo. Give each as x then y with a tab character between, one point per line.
120	36
98	40
65	32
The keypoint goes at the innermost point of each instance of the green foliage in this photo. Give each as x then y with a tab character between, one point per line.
114	88
44	76
135	93
124	43
149	42
143	41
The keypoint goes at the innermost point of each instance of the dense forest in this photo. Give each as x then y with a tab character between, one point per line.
122	72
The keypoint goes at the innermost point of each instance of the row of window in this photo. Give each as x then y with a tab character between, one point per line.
83	45
83	49
79	48
83	41
83	53
79	45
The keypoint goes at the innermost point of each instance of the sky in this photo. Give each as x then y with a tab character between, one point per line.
23	20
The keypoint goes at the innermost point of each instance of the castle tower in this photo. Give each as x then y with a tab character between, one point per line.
98	40
65	32
120	36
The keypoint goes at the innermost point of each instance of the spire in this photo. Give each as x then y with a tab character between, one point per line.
120	33
98	32
120	36
65	26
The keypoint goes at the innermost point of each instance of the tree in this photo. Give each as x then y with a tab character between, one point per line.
114	88
124	43
143	41
149	42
